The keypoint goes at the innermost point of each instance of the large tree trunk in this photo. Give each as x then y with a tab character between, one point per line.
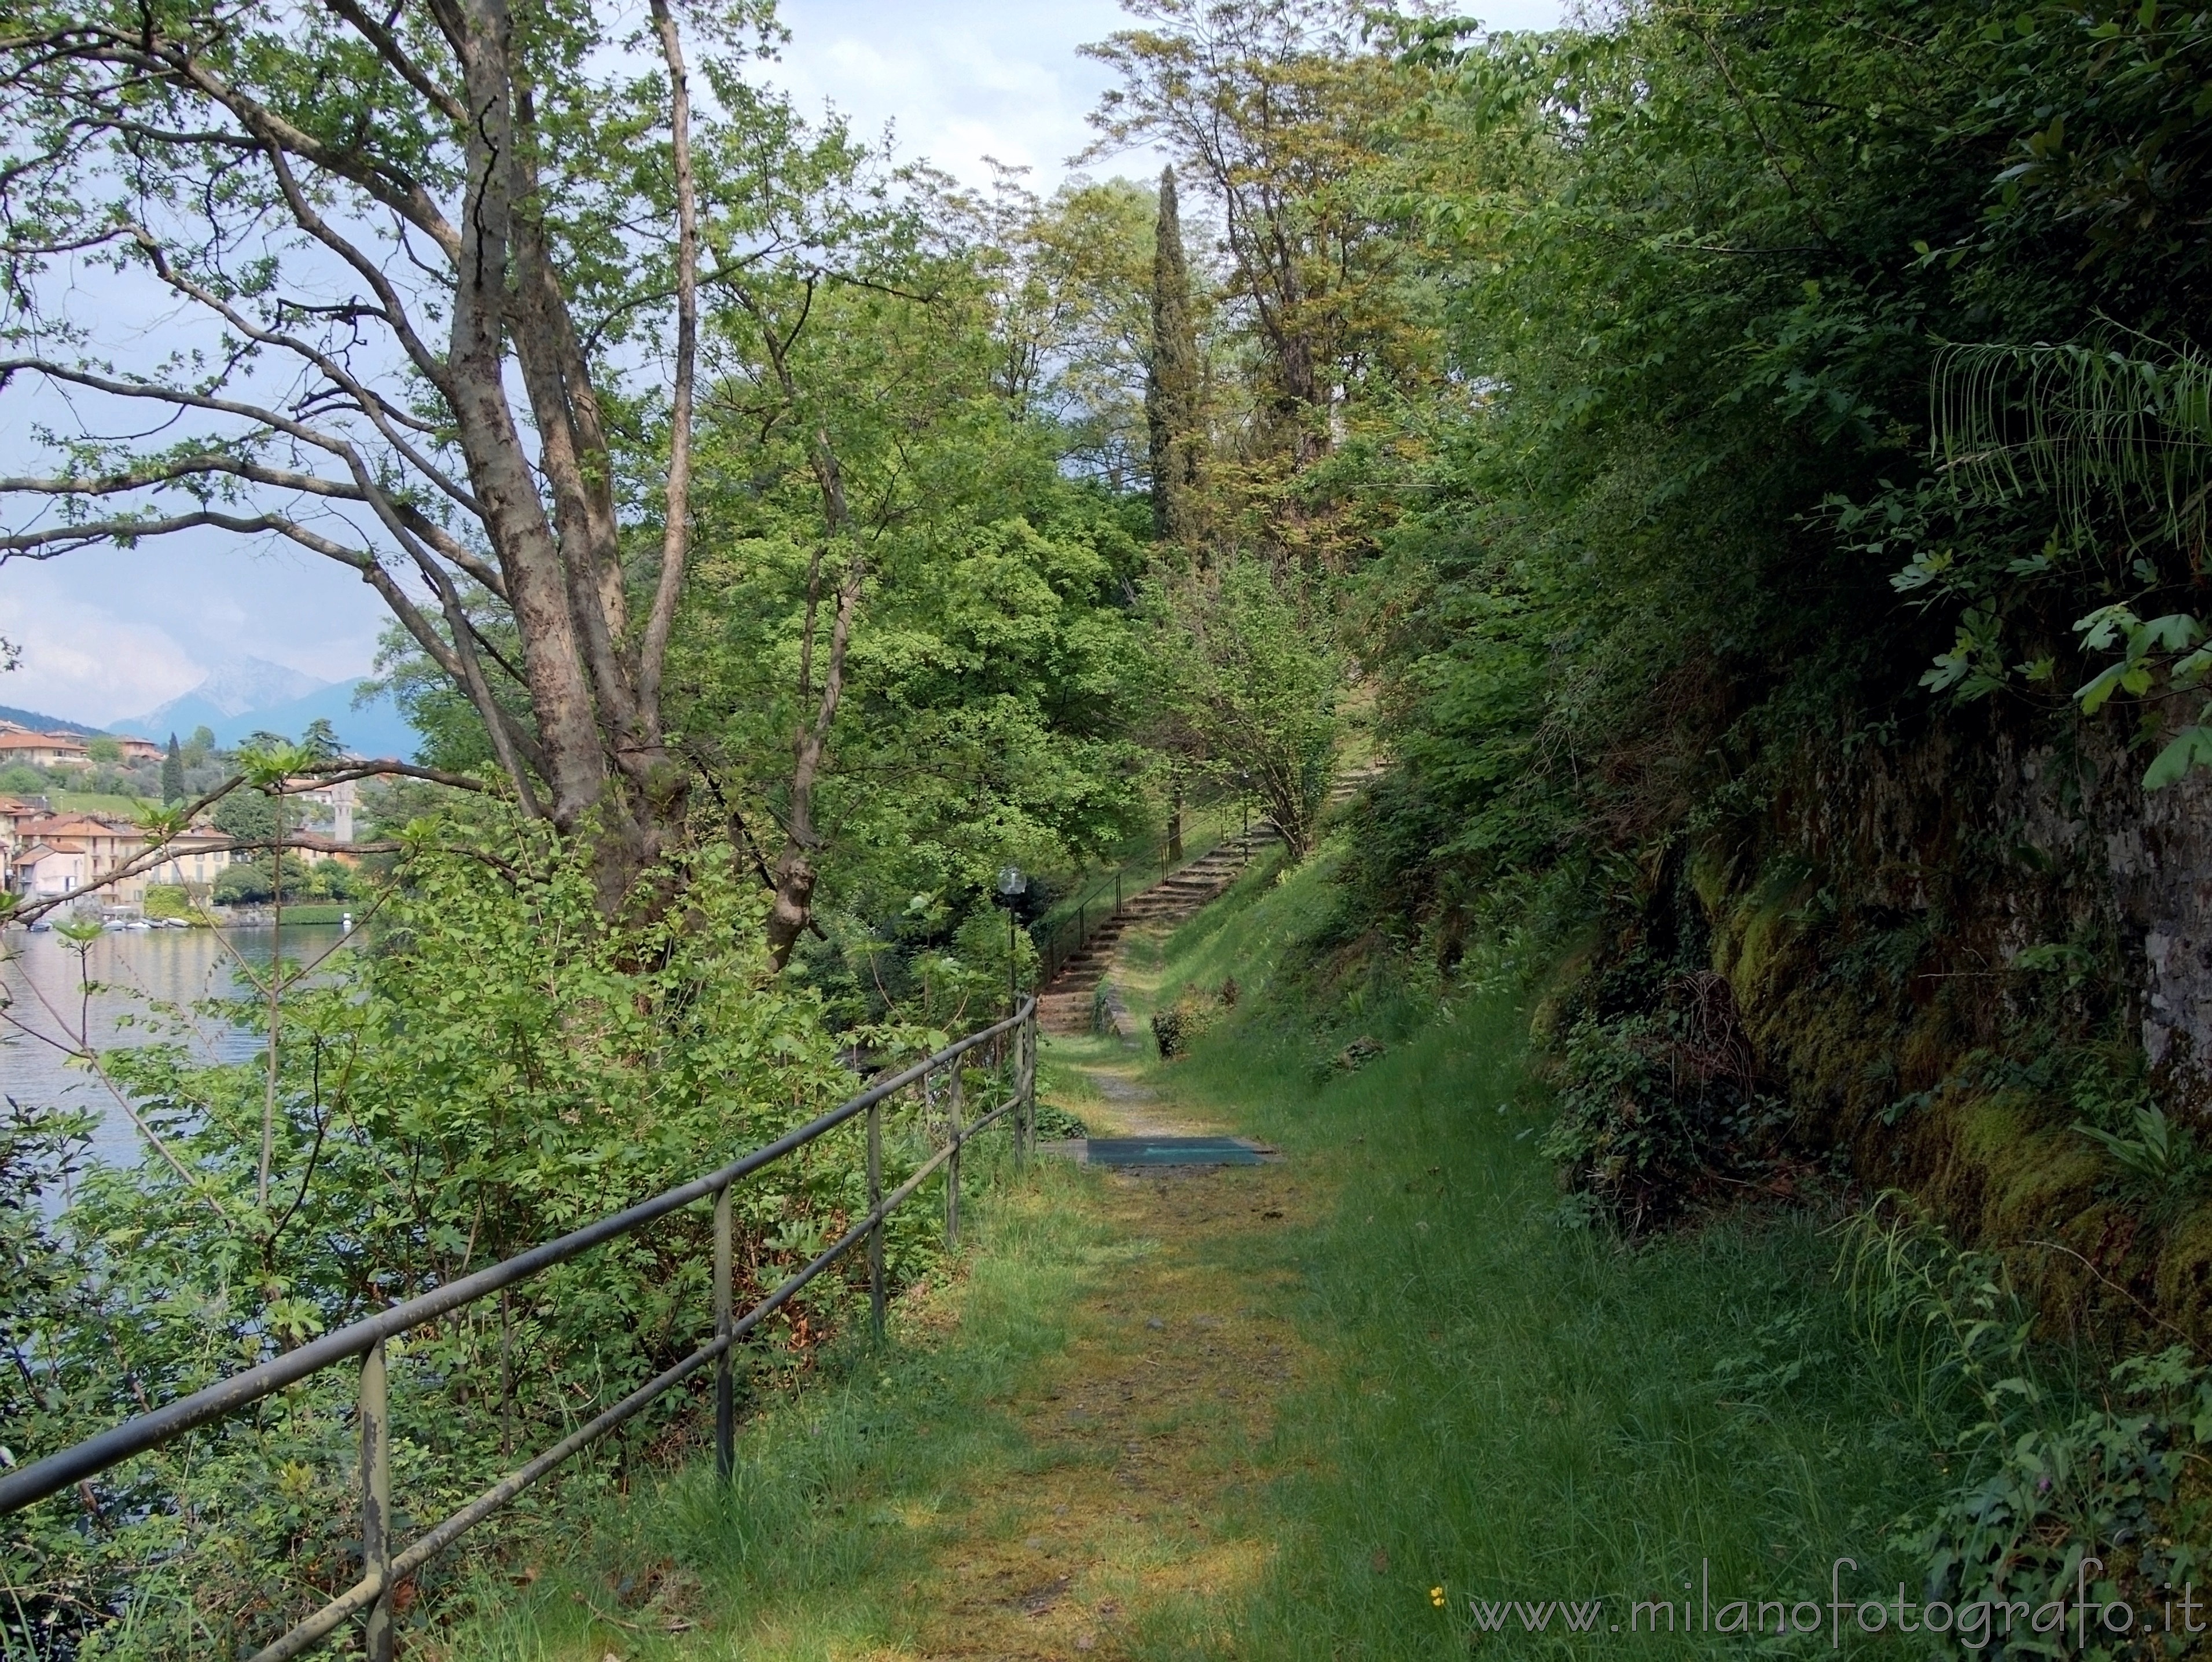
595	694
456	169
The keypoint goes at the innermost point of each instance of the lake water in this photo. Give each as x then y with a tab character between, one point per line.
41	975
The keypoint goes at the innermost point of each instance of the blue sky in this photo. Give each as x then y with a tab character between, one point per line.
110	633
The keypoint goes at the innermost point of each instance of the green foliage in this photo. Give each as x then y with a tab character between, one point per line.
991	686
1816	413
248	815
2048	1483
172	772
499	1068
1659	1106
1172	411
1183	1019
1272	110
1249	670
2165	1165
254	882
167	900
103	747
2151	1147
20	779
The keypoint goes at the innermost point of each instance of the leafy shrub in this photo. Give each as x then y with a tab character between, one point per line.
248	883
500	1066
169	900
2163	1167
1055	1124
1190	1013
1657	1106
2049	1483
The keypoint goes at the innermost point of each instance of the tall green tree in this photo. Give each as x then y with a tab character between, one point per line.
1173	419
1273	109
1248	667
172	772
966	595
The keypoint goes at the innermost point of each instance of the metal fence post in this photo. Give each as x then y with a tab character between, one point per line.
726	1392
876	1234
1028	1082
1013	1084
952	1163
376	1499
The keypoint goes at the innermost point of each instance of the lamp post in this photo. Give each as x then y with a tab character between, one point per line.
1013	884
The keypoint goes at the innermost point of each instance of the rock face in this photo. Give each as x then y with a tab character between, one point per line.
2161	868
1947	948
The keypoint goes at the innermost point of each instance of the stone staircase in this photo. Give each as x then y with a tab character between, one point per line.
1066	1004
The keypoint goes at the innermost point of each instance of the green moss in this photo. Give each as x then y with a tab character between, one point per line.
2184	1273
2030	1173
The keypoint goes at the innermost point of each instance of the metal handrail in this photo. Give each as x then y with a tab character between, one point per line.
1052	958
382	1571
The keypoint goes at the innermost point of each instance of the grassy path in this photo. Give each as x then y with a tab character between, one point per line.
1061	1457
1146	1429
1323	1411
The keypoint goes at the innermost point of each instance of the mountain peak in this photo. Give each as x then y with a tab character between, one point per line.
238	685
233	687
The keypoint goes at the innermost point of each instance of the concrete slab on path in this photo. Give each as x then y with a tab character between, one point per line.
1163	1151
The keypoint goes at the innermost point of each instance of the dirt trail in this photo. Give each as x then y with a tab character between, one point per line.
1147	1425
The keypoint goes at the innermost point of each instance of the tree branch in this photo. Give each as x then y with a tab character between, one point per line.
676	531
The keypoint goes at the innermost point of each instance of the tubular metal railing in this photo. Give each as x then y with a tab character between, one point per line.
383	1569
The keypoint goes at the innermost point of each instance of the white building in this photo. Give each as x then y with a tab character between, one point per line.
192	861
337	800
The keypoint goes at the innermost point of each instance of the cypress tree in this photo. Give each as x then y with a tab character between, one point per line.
173	773
1171	385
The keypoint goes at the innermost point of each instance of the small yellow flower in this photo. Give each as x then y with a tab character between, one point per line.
1436	1596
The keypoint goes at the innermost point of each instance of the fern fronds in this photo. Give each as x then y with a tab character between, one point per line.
2102	430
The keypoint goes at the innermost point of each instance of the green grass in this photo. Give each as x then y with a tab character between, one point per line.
1504	1408
1517	1410
88	801
813	1550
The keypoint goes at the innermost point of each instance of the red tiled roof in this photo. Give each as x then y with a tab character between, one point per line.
40	741
77	824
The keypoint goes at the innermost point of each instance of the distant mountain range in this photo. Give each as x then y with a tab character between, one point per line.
39	723
247	695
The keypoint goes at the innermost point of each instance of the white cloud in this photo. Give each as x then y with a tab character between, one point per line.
961	79
109	633
964	79
85	664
